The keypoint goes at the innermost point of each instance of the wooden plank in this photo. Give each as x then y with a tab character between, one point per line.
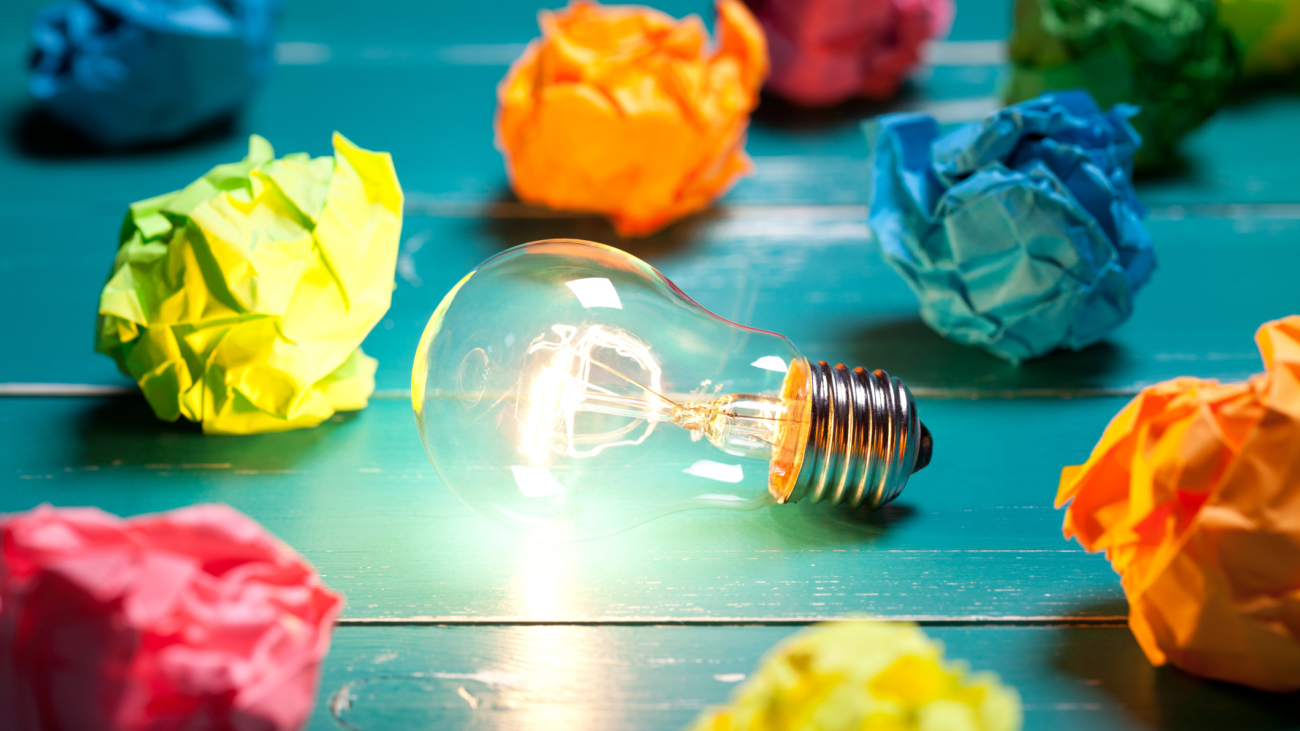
402	108
364	73
660	678
414	22
974	535
819	157
809	273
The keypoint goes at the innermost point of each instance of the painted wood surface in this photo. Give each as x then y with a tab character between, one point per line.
634	678
445	150
974	535
810	273
973	549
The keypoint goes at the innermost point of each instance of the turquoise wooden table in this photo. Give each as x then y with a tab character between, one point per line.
453	623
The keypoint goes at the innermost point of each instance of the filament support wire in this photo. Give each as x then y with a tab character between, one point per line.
864	441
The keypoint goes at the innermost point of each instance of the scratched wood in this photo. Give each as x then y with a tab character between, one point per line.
438	153
811	274
801	157
387	93
412	22
816	157
634	678
974	542
973	535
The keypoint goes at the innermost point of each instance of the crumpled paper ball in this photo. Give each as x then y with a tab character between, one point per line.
864	676
1193	492
1020	233
132	72
1171	58
241	301
1267	33
624	111
192	619
826	51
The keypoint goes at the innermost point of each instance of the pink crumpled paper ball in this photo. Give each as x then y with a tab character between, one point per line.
826	51
194	619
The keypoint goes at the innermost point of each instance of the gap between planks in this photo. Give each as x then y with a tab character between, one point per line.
428	205
419	204
88	390
308	53
922	620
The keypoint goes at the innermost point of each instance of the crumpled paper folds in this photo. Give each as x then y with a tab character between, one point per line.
1193	492
1020	233
240	302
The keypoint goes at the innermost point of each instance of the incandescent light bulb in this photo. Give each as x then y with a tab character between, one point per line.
568	388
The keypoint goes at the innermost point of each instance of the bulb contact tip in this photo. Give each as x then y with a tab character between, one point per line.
923	450
865	439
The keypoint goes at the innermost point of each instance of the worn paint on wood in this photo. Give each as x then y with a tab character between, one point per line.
974	535
811	273
567	678
973	548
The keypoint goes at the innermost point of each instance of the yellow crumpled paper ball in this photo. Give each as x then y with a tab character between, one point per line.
241	301
864	676
623	110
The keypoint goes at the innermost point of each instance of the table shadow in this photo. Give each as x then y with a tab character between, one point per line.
123	431
910	350
34	133
510	223
805	525
779	114
1252	90
1165	697
1178	167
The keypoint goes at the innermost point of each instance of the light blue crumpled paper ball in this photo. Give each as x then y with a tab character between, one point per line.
133	72
1020	233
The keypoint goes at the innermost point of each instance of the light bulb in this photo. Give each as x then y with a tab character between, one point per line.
568	388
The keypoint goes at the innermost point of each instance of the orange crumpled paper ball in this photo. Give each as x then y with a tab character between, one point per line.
194	619
624	111
1194	494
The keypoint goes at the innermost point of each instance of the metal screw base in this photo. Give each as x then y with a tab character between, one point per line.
865	438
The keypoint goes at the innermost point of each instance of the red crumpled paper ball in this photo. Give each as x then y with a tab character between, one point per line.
826	51
193	619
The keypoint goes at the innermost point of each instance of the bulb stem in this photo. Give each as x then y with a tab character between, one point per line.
865	439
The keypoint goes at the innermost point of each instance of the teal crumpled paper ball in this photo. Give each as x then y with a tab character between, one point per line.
125	73
1020	233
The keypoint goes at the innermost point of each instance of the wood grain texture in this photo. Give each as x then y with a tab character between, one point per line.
806	157
659	678
491	21
810	273
973	549
974	535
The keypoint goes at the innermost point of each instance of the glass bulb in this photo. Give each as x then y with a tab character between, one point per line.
568	388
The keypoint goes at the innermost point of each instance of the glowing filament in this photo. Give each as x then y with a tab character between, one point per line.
561	387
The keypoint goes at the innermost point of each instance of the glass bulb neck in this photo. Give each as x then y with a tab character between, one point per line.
864	441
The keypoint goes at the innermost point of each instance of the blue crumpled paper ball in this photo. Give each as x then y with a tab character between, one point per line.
133	72
1020	233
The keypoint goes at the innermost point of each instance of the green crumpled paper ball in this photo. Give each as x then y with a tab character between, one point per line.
1172	58
240	302
1267	33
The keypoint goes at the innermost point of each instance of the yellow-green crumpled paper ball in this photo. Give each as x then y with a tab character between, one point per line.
241	301
1267	33
864	676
